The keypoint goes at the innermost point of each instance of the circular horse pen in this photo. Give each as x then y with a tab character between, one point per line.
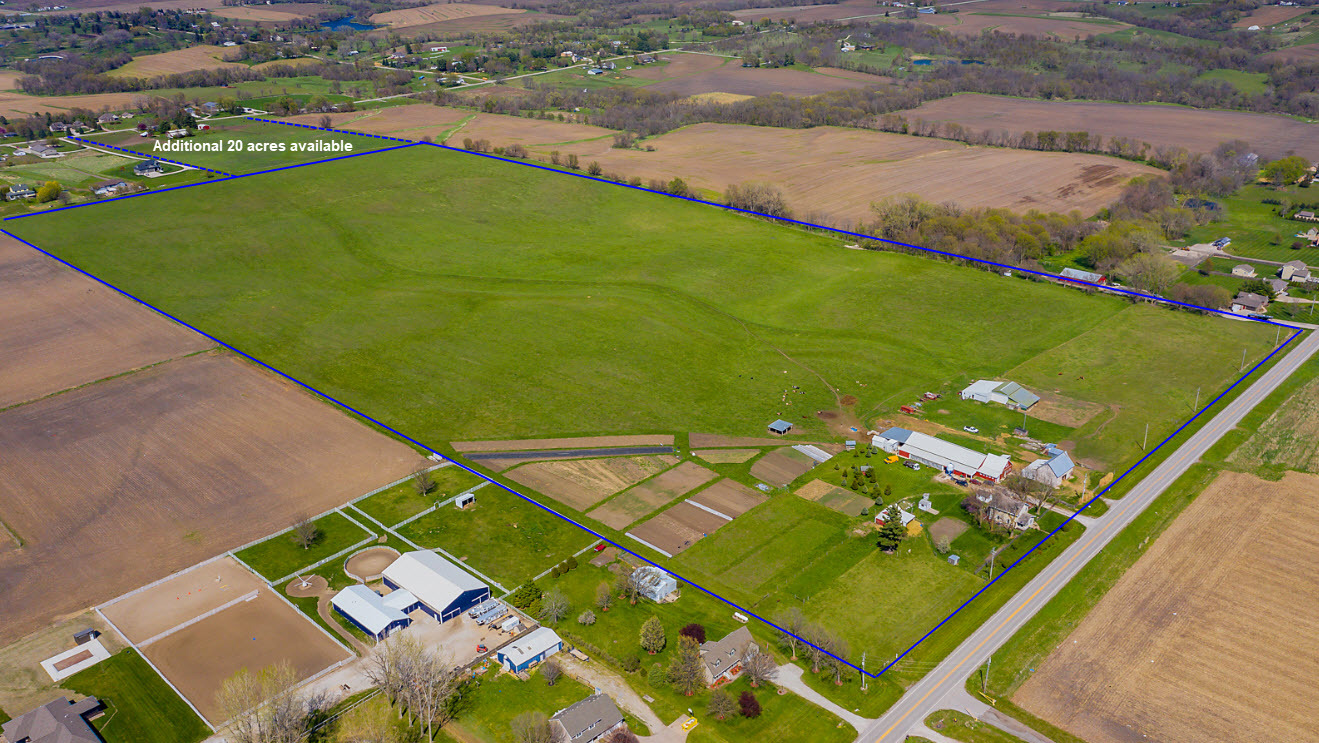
369	564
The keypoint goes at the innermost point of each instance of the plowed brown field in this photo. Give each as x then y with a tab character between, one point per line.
655	493
840	172
1172	126
1213	635
581	483
60	329
203	57
120	483
438	14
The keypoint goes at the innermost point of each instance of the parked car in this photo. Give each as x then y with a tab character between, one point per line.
970	429
911	465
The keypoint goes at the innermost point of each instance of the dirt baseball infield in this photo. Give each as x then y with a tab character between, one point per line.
253	635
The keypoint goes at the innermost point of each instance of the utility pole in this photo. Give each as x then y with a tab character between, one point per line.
1146	444
863	670
984	680
1277	337
1243	360
1197	399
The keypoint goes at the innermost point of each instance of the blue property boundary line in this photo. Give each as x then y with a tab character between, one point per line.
400	434
94	143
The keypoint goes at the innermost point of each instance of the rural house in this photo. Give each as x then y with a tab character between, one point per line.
1294	271
1244	269
107	119
1247	302
1306	217
60	721
655	584
1277	286
905	516
951	458
372	613
723	658
1051	472
1010	394
146	167
20	191
1311	234
528	650
1001	507
109	186
44	151
589	720
442	588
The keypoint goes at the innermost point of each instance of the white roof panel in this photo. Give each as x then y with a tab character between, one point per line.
367	608
531	645
431	578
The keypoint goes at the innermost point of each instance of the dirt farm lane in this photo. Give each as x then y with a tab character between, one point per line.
939	687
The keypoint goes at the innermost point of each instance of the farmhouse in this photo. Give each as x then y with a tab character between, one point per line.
589	720
1246	302
443	590
722	659
43	150
655	584
60	721
1077	276
1305	217
109	186
20	191
1277	286
145	167
1244	269
1294	271
1010	394
107	119
780	427
1003	509
906	517
1051	472
1311	234
949	457
372	613
530	649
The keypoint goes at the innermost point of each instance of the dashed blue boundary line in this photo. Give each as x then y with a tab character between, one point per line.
405	437
94	143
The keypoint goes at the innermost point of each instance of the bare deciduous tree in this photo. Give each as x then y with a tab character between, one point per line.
423	481
758	667
551	670
532	727
263	707
554	606
419	678
604	597
305	533
794	622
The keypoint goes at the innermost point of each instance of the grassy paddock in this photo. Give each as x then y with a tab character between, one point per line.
280	555
402	501
140	706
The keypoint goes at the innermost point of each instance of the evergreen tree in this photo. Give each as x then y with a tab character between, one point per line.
652	636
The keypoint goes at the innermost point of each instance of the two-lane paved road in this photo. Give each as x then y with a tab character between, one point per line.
926	695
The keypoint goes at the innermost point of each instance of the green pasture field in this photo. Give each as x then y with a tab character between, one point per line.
1246	82
1256	231
280	555
247	132
464	298
401	501
489	704
140	706
504	536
